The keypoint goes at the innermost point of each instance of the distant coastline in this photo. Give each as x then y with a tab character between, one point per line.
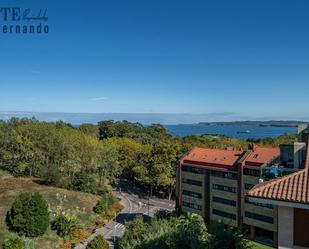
270	123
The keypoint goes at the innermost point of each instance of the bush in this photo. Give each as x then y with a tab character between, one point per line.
109	214
14	242
66	245
98	243
227	237
84	181
64	225
79	235
163	214
103	204
28	215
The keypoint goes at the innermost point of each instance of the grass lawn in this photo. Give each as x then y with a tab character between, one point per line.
256	245
78	203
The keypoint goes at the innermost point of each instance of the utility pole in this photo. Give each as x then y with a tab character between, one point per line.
148	202
115	222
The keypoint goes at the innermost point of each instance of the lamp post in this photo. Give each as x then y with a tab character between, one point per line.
148	202
115	222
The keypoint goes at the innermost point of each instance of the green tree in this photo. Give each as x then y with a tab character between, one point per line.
107	164
225	237
191	233
89	129
28	215
84	181
171	233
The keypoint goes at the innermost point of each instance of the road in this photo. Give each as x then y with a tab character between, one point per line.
134	205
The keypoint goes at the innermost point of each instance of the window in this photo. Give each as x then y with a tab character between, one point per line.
192	205
228	175
224	188
224	214
192	194
192	182
224	201
252	172
194	170
259	217
259	204
249	186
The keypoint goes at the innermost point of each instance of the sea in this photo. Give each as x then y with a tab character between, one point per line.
191	126
243	132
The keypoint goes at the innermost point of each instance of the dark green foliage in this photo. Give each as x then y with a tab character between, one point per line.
180	233
64	225
209	141
164	214
143	134
103	204
84	181
13	242
191	233
275	142
173	233
98	243
28	215
225	237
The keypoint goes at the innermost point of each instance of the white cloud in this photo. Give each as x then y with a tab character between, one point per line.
99	98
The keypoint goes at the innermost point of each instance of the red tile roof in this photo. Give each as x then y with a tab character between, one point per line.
213	157
291	188
260	155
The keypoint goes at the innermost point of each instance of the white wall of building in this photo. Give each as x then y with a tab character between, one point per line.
285	227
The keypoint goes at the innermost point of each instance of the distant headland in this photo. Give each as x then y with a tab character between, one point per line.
272	123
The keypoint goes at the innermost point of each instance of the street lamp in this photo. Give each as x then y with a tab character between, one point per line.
115	222
148	202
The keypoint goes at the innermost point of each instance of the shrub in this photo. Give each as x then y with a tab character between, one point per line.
66	245
163	214
84	181
98	243
79	235
103	204
109	214
14	242
28	215
227	237
64	225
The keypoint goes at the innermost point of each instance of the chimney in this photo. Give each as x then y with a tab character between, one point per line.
251	146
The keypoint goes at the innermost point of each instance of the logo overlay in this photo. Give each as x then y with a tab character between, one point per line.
23	21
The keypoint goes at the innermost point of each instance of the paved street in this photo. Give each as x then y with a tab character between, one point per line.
134	205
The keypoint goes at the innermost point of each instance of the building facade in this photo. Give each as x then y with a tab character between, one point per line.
214	183
290	194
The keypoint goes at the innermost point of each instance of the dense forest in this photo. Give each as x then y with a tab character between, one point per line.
91	157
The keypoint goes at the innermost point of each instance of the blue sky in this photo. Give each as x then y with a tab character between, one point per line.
248	58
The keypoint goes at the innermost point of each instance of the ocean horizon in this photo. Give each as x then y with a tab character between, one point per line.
176	124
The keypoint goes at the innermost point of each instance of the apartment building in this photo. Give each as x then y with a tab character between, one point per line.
214	183
208	184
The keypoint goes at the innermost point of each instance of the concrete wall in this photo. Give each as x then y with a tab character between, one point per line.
293	154
285	227
257	209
